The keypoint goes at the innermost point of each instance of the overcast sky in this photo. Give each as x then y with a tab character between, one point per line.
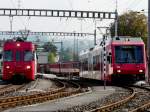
63	24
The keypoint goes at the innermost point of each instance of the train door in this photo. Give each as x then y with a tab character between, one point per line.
1	62
90	65
81	67
109	64
100	61
35	61
96	66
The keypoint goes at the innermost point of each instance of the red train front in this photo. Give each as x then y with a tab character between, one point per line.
128	58
19	61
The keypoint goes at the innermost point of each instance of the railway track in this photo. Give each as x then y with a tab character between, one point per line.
14	90
137	101
39	97
105	104
141	102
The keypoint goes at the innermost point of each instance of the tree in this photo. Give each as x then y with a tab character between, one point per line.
67	54
51	57
49	47
52	49
132	24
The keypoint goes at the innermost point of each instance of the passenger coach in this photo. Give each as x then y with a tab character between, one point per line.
64	68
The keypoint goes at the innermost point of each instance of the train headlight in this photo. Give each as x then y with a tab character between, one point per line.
140	71
7	67
18	45
28	67
118	71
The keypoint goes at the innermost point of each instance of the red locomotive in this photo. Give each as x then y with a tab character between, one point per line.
118	58
19	61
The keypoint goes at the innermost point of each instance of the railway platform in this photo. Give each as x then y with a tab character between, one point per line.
96	93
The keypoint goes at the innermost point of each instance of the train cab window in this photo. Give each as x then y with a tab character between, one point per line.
18	56
128	54
28	56
139	54
8	55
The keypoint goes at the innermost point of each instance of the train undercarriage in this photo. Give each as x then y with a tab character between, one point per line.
127	78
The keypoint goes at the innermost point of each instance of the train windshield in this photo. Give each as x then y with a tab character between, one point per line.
28	56
128	54
18	56
8	55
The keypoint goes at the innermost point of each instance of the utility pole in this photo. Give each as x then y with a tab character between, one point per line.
95	31
116	20
11	22
95	37
104	65
74	48
61	54
148	41
77	49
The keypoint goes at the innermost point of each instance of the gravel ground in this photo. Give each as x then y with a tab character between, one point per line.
115	96
40	85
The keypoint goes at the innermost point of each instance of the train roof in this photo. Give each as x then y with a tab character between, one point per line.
127	40
18	45
84	52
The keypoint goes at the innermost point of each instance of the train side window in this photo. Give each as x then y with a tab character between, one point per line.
75	65
36	56
98	56
94	60
8	55
109	58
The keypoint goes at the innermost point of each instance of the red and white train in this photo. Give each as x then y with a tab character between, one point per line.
19	61
118	58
